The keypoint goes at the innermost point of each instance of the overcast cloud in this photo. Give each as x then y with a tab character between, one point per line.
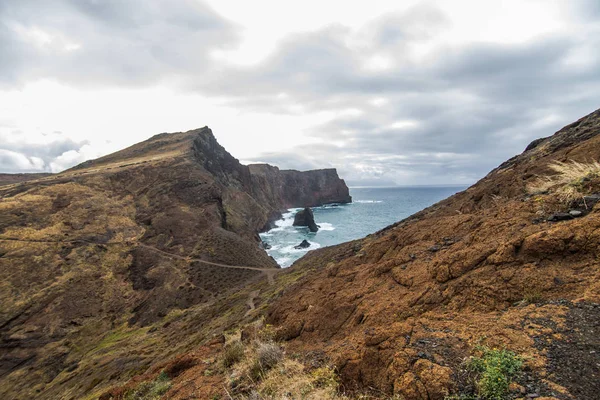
427	93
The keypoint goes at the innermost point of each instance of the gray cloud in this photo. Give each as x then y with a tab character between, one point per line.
472	106
17	154
447	118
89	42
11	161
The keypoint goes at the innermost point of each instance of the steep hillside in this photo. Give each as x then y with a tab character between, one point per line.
495	265
491	294
117	246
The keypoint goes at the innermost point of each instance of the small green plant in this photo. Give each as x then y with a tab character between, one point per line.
532	296
233	353
152	390
495	369
325	377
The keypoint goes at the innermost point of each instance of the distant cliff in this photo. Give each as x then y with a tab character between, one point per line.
290	188
266	189
8	179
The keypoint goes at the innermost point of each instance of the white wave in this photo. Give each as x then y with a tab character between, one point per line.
326	226
284	261
368	201
332	205
291	250
287	219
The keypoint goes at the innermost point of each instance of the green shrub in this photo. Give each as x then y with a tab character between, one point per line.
152	390
532	296
325	377
495	369
233	353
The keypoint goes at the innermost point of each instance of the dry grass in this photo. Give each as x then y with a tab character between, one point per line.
268	355
290	380
232	353
262	371
568	182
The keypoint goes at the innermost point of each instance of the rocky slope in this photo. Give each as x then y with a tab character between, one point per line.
400	310
398	313
403	312
118	246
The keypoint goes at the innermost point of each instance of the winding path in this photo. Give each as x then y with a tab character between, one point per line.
269	272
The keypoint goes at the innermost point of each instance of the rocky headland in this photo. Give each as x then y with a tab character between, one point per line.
128	240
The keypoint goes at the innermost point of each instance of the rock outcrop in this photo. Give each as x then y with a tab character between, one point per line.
290	188
304	245
306	218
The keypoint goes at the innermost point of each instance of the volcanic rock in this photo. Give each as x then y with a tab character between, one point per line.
304	245
560	217
289	188
446	302
306	218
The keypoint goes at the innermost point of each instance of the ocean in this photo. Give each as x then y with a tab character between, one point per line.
371	210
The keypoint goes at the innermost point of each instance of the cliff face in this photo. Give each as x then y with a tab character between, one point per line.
122	243
290	188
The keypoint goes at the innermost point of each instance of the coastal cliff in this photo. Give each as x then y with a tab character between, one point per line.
491	293
126	241
425	309
290	188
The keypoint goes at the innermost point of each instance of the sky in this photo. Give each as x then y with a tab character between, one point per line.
388	92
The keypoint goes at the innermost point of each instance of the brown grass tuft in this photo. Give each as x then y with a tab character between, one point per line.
568	182
232	353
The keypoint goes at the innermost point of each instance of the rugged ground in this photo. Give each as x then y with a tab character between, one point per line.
401	309
405	313
118	247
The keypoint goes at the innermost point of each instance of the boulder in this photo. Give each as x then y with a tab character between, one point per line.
559	217
306	218
304	245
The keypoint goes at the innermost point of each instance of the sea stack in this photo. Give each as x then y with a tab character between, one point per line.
304	245
306	218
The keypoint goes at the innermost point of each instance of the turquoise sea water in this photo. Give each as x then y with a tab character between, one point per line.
372	209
